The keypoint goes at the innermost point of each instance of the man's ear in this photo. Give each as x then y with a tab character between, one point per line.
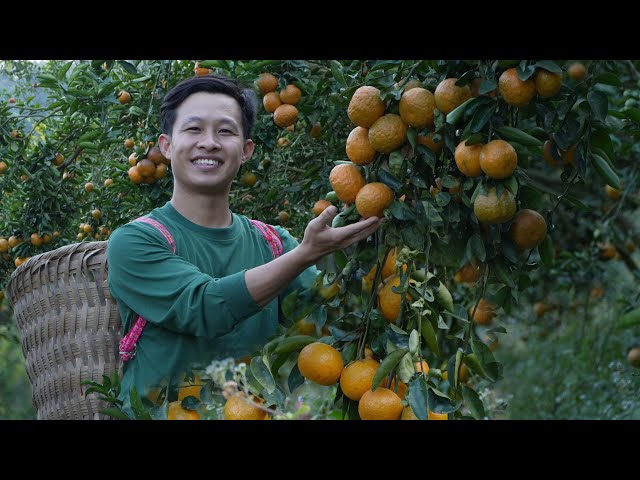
164	142
247	150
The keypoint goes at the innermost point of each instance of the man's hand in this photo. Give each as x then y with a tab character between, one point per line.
320	238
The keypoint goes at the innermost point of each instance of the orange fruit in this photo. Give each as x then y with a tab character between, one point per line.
36	240
134	175
514	91
88	187
305	327
346	180
612	193
417	106
238	407
3	167
475	88
124	97
283	216
528	229
201	71
316	130
320	206
469	273
422	367
58	159
498	159
372	199
484	313
577	71
566	156
389	301
359	150
380	404
633	357
428	141
607	251
491	209
540	308
283	142
388	133
146	167
267	83
437	416
413	83
108	182
467	159
176	412
285	115
155	155
547	83
448	96
14	241
357	377
366	106
407	414
291	94
161	171
320	363
271	101
4	245
248	179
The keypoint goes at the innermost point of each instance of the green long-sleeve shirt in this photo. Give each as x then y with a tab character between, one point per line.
196	302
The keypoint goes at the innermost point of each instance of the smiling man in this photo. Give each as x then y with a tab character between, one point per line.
194	281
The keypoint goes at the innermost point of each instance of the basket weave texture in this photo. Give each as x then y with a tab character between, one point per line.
70	327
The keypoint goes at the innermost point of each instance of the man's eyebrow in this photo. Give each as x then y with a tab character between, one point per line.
192	118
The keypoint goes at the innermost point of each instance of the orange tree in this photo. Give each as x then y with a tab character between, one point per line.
474	164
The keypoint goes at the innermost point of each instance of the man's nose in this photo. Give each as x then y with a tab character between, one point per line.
209	140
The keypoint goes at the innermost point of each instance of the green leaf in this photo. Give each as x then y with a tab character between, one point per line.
136	405
503	274
633	114
396	162
429	335
599	104
115	412
388	364
608	78
262	374
487	86
573	200
128	66
457	114
549	65
473	402
293	343
629	319
481	117
417	397
516	135
477	247
605	171
414	342
336	70
545	249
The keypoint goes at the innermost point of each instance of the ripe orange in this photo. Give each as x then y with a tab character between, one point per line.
201	71
366	106
428	141
283	217
36	240
3	167
156	156
381	404
448	96
238	407
389	301
290	94
124	97
267	83
467	159
357	377
248	179
437	416
271	101
469	273
4	245
633	357
14	241
491	209
498	159
320	206
176	412
346	180
359	150
528	229
421	367
388	133
316	130
58	159
567	156
372	199
607	251
305	327
88	187
540	308
407	414
547	83
413	83
612	193
134	175
320	363
146	167
283	142
484	313
577	71
96	214
417	106
285	115
514	91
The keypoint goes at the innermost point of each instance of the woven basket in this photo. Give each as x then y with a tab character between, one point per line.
70	328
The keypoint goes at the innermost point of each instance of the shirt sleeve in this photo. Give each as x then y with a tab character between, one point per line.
307	278
166	290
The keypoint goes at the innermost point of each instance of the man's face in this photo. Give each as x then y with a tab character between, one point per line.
207	145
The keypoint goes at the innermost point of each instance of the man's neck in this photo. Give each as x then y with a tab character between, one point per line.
204	210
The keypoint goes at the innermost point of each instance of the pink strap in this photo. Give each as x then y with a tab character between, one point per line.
127	346
271	236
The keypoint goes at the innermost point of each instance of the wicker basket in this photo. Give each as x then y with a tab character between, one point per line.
70	327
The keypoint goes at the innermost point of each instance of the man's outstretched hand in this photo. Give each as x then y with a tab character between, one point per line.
321	239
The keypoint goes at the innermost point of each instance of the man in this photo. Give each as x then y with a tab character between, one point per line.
217	296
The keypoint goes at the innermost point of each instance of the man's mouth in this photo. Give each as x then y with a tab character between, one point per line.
206	161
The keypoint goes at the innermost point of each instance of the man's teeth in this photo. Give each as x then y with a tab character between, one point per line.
206	161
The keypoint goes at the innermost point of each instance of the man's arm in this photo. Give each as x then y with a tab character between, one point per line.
269	280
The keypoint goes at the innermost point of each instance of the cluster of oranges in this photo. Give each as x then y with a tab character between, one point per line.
283	103
322	364
149	169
